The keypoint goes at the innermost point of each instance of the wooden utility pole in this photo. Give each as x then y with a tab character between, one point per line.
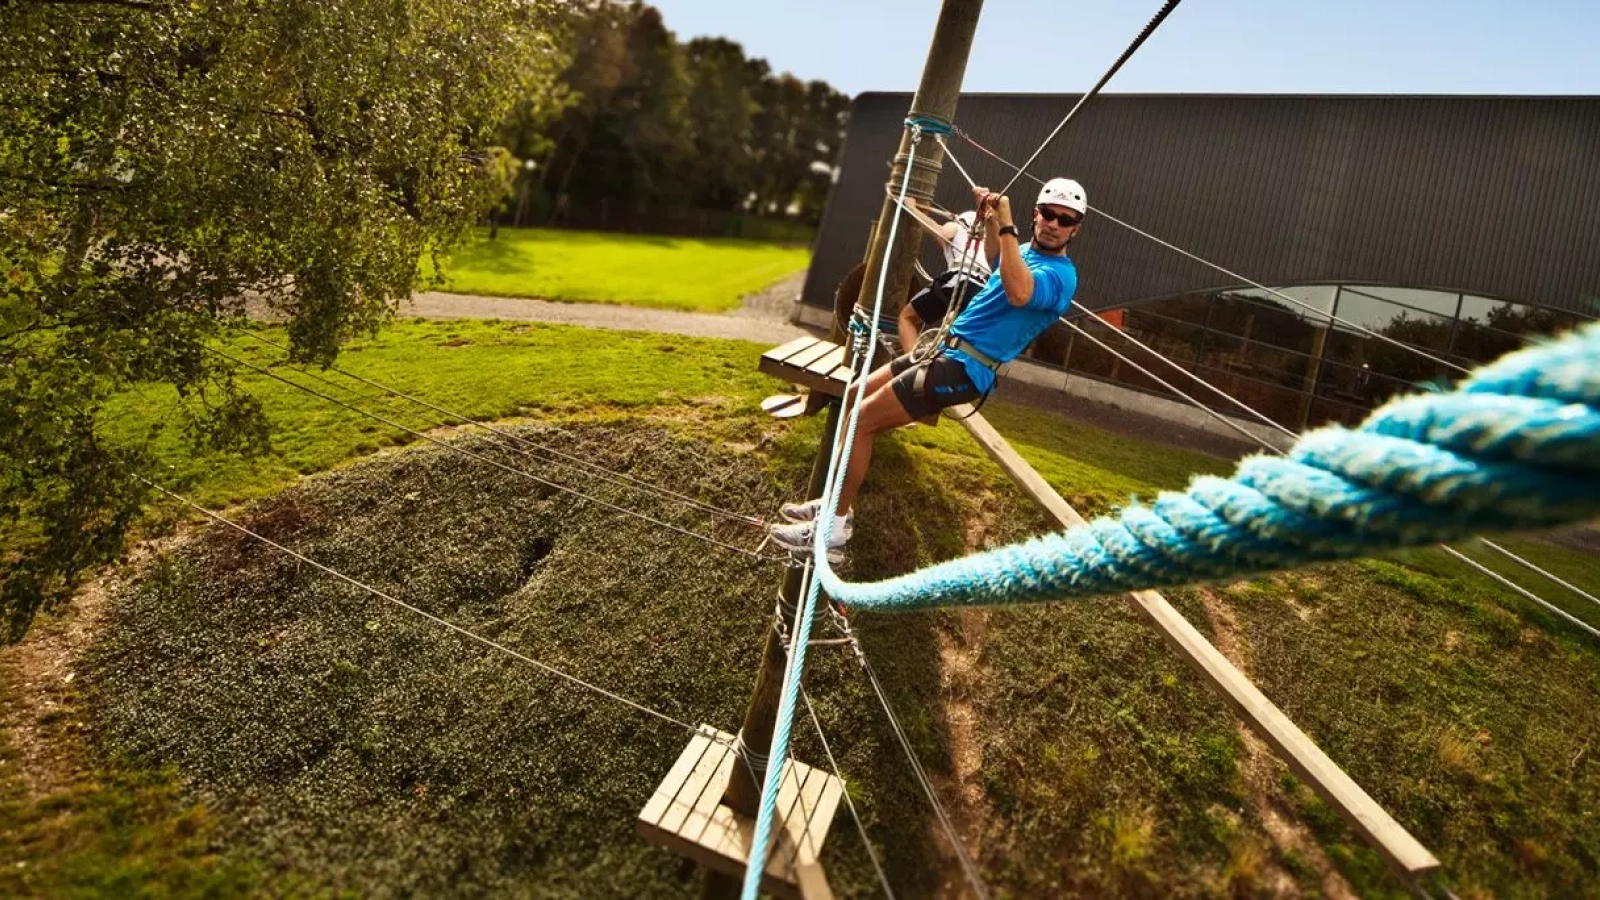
936	98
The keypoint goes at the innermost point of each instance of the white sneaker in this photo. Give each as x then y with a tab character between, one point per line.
797	537
800	512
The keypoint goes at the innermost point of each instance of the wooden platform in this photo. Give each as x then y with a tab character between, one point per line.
811	363
685	815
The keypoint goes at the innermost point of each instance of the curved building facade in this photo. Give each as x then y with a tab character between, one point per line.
1454	226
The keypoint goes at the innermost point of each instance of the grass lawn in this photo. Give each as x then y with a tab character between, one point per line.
690	274
251	729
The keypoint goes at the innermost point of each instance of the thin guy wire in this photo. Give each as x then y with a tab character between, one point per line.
861	829
493	645
573	460
499	465
967	865
1259	415
807	815
1485	570
1127	54
1550	575
1235	275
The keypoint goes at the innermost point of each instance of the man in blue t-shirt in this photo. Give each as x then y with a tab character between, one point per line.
1031	287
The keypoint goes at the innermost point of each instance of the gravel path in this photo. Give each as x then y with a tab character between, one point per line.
764	317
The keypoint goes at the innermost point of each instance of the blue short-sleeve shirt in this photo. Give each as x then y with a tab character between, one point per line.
1001	331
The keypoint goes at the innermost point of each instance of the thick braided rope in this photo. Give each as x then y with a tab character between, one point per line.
784	721
1515	446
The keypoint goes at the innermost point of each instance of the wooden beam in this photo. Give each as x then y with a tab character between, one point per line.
1370	820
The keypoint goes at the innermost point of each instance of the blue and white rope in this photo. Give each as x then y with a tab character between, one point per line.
760	844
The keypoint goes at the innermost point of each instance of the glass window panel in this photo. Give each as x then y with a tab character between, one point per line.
1477	309
1516	318
1361	386
1187	308
1318	297
1176	340
1266	319
1272	364
1476	344
1439	303
1325	411
1400	323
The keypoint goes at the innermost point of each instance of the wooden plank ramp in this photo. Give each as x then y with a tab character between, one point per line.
1403	851
686	815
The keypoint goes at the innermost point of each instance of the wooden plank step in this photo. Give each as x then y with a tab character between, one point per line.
809	362
686	815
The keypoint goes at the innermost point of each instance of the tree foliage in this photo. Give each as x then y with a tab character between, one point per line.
658	124
164	164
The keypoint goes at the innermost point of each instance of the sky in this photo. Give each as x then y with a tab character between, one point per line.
1205	46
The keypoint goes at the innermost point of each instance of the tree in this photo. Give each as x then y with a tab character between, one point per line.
161	161
659	125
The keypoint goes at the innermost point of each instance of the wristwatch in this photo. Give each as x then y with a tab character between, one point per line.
1011	230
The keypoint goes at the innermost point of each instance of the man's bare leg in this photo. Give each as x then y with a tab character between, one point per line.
881	412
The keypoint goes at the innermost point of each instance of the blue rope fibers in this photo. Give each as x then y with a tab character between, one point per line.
1420	470
1563	369
837	466
929	124
1533	429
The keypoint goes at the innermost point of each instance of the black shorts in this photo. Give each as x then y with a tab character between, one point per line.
933	301
925	388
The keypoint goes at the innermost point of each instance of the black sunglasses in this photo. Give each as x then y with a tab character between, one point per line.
1066	219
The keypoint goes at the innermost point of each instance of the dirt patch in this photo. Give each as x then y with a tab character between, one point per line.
960	668
1261	772
960	671
42	718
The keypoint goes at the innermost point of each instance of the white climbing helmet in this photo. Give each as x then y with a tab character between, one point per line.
1064	192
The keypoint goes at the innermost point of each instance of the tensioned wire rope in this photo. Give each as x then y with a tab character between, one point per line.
753	554
1451	551
570	460
780	624
842	623
861	827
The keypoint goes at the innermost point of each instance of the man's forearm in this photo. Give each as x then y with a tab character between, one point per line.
910	326
1014	274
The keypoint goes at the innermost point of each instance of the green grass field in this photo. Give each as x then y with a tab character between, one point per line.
259	731
690	274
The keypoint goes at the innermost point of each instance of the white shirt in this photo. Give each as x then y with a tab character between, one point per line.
956	253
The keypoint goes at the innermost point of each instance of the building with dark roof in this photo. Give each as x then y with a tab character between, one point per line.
1457	226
